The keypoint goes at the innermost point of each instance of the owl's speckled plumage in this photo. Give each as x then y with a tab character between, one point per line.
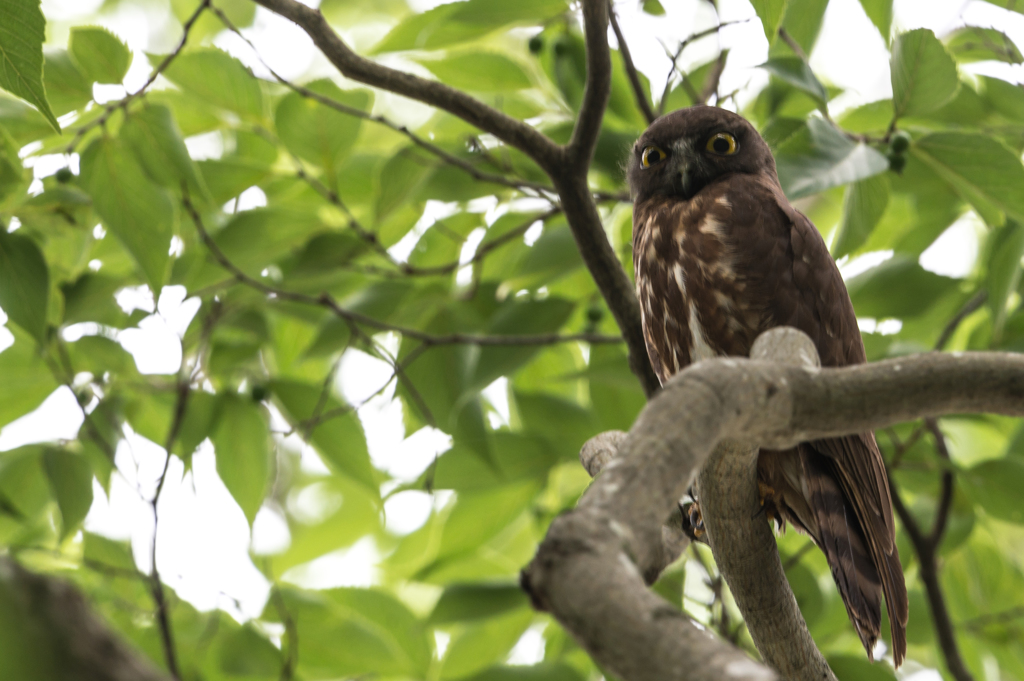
720	256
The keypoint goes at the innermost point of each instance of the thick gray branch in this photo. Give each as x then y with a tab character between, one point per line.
743	543
56	635
589	572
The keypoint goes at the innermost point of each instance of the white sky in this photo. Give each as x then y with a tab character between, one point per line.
204	539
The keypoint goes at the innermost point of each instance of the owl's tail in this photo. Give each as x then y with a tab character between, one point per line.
849	555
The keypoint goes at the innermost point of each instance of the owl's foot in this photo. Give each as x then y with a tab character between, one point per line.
766	494
693	523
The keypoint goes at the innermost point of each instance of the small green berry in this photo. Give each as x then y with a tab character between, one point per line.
595	314
900	142
536	44
897	162
64	175
259	393
561	46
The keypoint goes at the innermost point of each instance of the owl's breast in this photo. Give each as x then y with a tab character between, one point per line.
692	296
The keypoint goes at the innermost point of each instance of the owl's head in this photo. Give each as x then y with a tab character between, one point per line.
684	151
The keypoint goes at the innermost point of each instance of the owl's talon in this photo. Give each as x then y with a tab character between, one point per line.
765	492
696	521
692	521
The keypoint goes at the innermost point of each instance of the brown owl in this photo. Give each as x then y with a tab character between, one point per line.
720	256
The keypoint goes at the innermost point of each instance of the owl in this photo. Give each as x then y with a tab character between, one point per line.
720	256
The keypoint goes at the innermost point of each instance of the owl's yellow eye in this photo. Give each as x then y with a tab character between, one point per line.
722	143
652	155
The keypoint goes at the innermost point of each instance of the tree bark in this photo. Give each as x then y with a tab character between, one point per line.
592	569
59	635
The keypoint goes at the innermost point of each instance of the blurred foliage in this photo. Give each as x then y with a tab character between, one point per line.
137	201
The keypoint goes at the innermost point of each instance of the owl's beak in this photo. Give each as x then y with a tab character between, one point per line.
684	181
683	175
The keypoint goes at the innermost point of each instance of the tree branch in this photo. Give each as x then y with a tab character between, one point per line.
567	166
65	635
642	100
325	300
740	538
589	571
929	574
596	90
437	94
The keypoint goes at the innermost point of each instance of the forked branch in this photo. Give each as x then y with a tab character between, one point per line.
590	570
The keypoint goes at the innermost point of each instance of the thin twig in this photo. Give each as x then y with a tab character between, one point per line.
979	622
946	493
327	301
927	546
713	79
155	584
674	57
928	571
793	560
535	188
642	99
123	103
290	643
969	307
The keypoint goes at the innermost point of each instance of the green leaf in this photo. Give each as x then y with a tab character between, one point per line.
24	283
479	71
339	438
70	477
315	131
26	378
653	7
480	646
463	602
872	291
381	636
137	212
255	238
1012	5
67	87
995	486
216	78
863	206
802	21
22	33
399	178
239	12
24	490
106	552
518	317
797	73
200	421
770	13
242	444
880	13
158	146
981	169
13	176
246	653
1005	98
1004	274
99	53
923	74
819	157
852	668
973	43
226	178
458	22
545	671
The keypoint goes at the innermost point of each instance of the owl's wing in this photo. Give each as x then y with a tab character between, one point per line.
804	289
